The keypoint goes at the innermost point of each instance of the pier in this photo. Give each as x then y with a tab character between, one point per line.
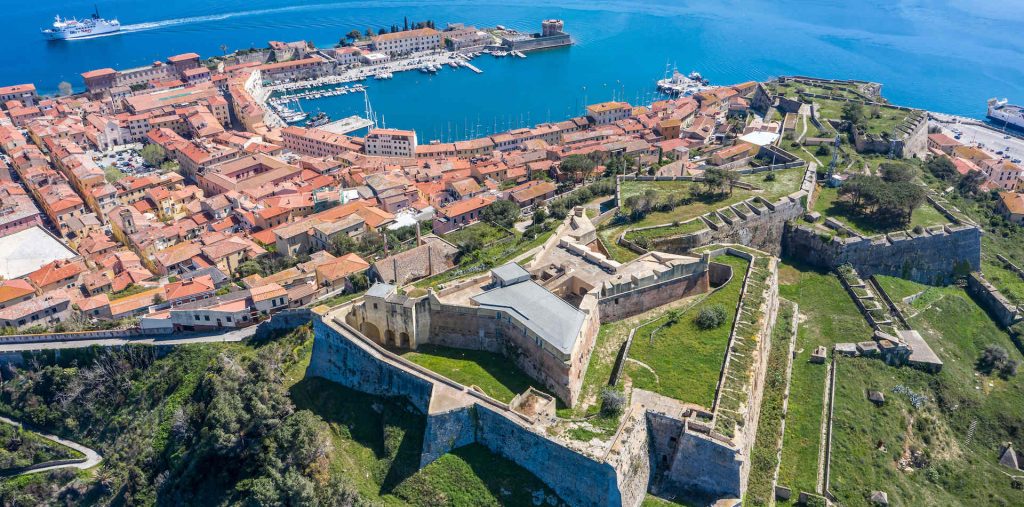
472	67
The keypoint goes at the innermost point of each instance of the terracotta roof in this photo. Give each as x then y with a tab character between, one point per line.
465	206
188	288
265	292
55	272
14	289
343	266
1013	201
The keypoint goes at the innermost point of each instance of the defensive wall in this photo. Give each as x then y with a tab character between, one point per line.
936	256
457	416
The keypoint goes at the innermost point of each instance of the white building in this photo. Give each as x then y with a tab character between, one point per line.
391	143
410	41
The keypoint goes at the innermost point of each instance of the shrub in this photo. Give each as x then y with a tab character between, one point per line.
770	176
612	401
710	317
995	359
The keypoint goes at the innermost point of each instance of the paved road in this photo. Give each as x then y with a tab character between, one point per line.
234	335
974	132
92	458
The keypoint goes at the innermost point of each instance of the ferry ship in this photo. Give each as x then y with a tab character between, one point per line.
68	29
1007	114
318	120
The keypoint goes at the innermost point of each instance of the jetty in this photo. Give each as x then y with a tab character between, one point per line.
472	67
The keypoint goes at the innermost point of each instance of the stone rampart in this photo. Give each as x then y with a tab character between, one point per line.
1002	310
578	479
128	333
283	321
343	361
759	225
937	256
684	461
626	304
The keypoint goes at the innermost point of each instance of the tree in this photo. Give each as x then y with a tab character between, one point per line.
224	49
342	245
502	213
710	317
369	32
942	168
353	35
577	165
65	88
717	180
853	112
371	242
248	268
153	154
359	282
896	172
971	183
406	25
112	174
382	31
539	216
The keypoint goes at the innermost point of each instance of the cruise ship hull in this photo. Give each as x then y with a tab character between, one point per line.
83	33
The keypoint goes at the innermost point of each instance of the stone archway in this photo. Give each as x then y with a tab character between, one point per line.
370	331
389	339
403	340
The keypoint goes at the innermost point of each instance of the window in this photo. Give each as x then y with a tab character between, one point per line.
196	317
207	318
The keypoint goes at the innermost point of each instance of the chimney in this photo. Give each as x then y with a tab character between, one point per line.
419	239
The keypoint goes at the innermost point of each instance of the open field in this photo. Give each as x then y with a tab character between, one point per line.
687	361
922	455
827	316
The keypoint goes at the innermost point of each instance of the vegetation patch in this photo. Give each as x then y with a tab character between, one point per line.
686	359
764	459
494	373
827	316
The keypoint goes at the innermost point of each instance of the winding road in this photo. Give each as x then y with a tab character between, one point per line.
92	458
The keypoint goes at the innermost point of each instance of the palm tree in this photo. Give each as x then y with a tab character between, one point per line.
224	49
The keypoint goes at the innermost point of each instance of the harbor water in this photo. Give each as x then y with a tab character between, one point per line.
945	56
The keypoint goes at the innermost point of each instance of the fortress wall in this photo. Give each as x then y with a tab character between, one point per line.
1001	309
931	258
578	479
341	360
628	304
447	431
762	231
684	461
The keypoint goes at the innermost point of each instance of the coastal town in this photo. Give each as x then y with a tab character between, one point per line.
790	292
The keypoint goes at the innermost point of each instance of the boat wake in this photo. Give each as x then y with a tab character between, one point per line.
156	25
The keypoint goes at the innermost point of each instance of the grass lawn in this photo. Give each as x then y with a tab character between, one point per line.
497	375
472	475
483	230
686	359
1008	282
953	471
672	230
827	316
829	204
786	182
764	457
376	445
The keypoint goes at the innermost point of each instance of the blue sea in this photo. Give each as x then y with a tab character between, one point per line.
947	56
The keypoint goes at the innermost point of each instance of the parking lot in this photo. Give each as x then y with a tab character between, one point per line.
125	158
1004	144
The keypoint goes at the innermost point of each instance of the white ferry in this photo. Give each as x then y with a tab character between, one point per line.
68	29
1005	113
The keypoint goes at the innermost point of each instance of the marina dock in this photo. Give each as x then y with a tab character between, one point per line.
472	67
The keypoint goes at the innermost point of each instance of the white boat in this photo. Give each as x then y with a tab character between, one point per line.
680	84
93	26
